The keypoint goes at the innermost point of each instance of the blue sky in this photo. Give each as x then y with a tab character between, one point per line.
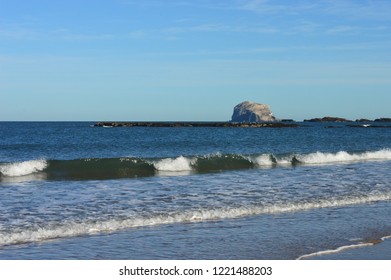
193	60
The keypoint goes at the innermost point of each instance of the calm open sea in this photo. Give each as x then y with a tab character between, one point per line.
71	191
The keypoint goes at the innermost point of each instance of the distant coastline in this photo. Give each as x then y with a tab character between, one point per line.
285	123
196	124
336	119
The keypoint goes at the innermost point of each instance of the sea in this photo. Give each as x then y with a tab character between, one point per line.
69	190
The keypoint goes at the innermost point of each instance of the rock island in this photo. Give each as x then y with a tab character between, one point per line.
246	114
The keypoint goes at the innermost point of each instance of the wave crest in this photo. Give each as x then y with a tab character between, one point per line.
174	164
115	168
23	168
343	157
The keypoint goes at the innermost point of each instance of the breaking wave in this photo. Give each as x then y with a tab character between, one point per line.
114	168
174	164
341	157
23	168
91	227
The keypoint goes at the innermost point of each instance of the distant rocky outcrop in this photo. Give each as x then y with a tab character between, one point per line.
196	124
364	120
341	120
328	119
251	112
287	120
383	120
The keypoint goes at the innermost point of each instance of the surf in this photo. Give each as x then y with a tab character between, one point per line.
23	168
134	167
93	226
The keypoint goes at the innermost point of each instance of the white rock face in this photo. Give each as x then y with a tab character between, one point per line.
252	112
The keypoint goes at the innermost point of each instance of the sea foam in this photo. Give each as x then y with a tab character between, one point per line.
320	158
181	165
174	164
335	251
91	227
23	168
344	157
264	160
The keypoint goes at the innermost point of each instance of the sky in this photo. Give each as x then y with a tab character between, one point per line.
182	60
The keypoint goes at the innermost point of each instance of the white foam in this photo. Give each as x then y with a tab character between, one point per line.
270	160
71	229
344	157
320	158
264	160
174	164
284	161
335	251
386	237
23	168
343	248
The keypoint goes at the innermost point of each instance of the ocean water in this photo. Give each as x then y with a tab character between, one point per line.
72	191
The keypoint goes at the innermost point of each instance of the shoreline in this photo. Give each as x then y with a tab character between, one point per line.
378	249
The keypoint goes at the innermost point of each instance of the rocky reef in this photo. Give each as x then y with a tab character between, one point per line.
334	119
246	114
383	120
328	119
249	112
195	124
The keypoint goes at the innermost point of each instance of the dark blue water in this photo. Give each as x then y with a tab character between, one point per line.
71	191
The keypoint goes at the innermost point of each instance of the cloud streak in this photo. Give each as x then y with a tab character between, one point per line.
268	7
17	32
374	10
378	10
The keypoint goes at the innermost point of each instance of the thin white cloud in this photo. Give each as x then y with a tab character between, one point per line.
86	37
341	29
301	17
198	28
304	26
271	7
352	9
378	10
270	53
295	17
17	32
356	29
137	34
